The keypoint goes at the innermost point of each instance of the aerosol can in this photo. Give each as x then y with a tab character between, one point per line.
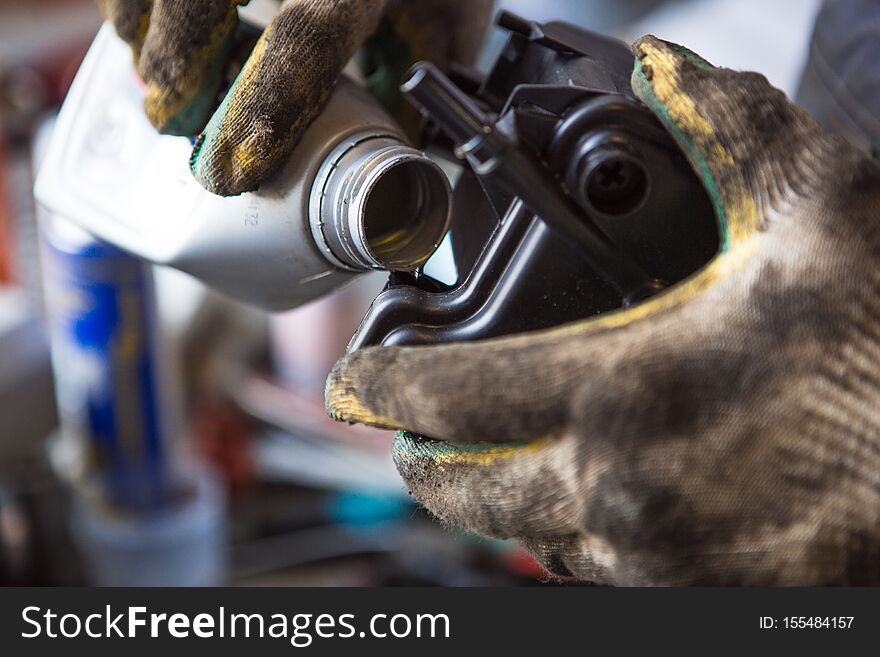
352	198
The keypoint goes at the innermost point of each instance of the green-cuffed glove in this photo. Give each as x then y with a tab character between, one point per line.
181	48
726	431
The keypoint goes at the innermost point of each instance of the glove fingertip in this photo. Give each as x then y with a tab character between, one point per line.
209	171
651	44
677	85
248	138
169	117
221	161
184	59
343	393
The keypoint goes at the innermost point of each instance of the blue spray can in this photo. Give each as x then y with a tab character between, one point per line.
101	307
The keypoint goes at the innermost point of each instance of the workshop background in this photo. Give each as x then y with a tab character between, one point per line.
274	492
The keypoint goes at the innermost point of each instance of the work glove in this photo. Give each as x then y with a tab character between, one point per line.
182	47
726	431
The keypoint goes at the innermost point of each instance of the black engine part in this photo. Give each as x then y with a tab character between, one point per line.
576	200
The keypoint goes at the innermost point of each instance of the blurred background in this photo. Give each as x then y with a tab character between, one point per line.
262	488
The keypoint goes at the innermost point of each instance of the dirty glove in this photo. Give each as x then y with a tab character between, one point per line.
181	48
726	431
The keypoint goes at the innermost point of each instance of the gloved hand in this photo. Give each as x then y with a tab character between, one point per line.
181	50
726	431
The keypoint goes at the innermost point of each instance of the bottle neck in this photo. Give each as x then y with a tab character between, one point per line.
377	203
